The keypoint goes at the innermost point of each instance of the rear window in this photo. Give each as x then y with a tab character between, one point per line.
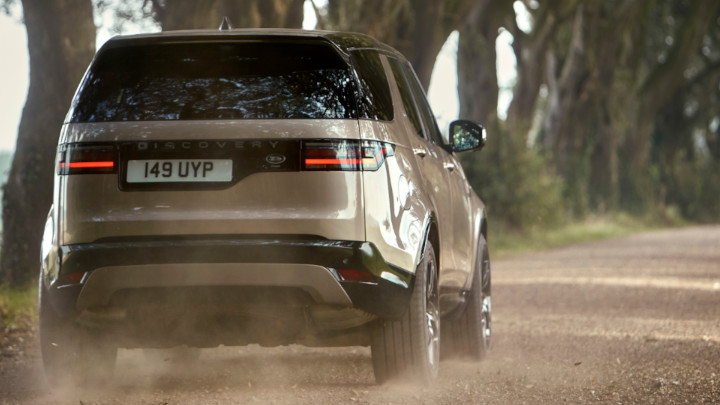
217	80
375	99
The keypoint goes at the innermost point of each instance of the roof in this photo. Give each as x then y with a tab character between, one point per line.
343	41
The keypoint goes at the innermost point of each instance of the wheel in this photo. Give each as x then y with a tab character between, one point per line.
72	356
410	346
469	335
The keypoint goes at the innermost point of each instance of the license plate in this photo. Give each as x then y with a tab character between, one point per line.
179	170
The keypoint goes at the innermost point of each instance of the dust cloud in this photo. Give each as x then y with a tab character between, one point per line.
611	341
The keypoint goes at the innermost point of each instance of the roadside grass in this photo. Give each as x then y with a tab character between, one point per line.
505	243
18	306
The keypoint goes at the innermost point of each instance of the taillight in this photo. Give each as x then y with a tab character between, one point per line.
72	278
374	154
83	159
356	276
348	155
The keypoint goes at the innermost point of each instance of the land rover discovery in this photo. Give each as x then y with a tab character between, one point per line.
260	186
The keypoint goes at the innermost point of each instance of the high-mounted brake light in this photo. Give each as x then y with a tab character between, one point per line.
83	159
345	155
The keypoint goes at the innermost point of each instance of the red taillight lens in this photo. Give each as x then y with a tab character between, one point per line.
81	159
72	278
347	155
356	276
331	155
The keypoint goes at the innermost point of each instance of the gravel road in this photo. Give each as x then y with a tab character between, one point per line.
629	320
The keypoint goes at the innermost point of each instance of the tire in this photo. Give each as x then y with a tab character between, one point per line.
72	356
469	335
410	346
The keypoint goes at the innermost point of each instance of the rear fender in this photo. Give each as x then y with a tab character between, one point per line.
479	230
49	257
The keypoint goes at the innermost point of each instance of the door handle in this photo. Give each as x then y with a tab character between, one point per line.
449	165
420	152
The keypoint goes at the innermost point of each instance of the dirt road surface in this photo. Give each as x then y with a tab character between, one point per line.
630	320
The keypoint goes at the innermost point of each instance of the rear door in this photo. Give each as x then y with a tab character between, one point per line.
447	180
430	159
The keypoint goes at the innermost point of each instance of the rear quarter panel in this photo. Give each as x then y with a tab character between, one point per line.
396	212
479	221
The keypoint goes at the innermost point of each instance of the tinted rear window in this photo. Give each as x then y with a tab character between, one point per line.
375	99
220	80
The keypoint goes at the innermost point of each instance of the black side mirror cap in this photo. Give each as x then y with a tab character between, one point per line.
466	136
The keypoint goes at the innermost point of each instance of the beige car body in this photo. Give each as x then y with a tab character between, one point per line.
418	194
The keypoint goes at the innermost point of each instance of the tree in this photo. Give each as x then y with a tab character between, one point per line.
685	141
207	14
577	130
530	49
657	88
61	41
416	28
510	177
477	60
604	92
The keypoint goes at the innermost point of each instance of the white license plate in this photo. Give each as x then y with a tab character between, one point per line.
179	170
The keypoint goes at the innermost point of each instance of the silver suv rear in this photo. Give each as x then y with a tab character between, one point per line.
272	187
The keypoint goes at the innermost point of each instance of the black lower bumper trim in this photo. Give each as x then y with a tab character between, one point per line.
387	298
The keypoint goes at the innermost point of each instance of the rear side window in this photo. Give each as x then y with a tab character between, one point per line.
415	101
217	80
375	99
423	106
406	95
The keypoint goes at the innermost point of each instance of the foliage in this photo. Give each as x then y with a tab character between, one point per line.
17	304
505	242
124	13
514	183
61	42
686	136
627	120
693	186
417	28
5	6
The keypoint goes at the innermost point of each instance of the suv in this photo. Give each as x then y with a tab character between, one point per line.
260	186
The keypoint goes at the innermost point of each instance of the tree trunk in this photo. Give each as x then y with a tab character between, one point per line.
416	28
609	80
185	15
564	94
590	97
530	50
477	62
655	91
208	14
61	42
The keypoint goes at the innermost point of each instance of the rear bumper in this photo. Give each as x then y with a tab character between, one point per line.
307	263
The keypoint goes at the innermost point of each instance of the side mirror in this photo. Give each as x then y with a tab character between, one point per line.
467	135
